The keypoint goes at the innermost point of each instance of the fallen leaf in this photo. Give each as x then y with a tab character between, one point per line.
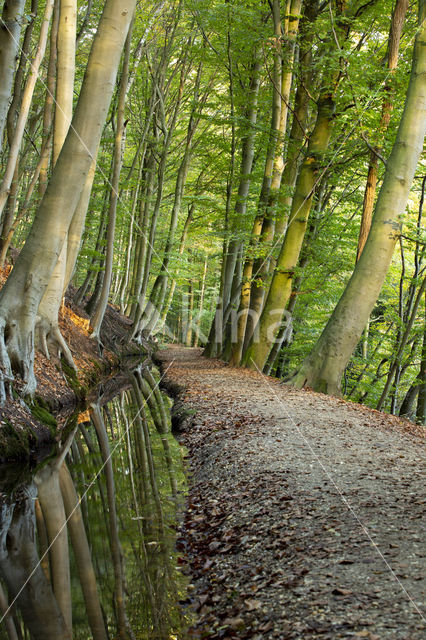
234	623
341	592
252	605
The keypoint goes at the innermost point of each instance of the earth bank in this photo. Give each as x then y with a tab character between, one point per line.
28	428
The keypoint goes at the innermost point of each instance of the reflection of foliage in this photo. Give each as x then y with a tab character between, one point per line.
147	491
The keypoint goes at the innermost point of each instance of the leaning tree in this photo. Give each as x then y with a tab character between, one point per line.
22	293
324	366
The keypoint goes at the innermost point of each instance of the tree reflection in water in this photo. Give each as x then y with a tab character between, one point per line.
112	493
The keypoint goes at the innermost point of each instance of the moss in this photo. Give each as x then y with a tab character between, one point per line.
71	424
43	415
14	444
72	380
41	402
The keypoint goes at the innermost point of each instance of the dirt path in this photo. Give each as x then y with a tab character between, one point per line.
306	513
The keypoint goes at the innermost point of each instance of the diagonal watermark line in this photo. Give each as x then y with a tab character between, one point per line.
116	193
341	493
324	171
96	476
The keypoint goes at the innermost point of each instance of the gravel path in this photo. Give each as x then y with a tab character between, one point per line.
305	516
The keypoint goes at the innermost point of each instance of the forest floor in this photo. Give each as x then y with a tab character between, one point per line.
24	427
305	515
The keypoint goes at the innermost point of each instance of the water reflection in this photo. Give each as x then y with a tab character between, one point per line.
87	543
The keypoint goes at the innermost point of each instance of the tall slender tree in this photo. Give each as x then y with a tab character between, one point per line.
324	366
21	295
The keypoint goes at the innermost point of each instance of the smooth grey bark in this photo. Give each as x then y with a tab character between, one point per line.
168	128
99	312
48	334
12	116
324	366
232	250
25	108
158	292
142	230
21	295
10	31
22	572
49	99
181	249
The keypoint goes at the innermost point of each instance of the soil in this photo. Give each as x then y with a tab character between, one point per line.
305	515
29	428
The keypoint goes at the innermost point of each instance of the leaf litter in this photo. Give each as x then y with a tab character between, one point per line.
305	514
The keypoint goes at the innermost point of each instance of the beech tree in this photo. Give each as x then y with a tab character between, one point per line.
323	368
22	293
12	16
250	130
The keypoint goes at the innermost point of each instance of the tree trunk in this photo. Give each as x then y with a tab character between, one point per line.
142	231
82	555
48	335
142	311
395	32
65	70
25	107
189	315
11	18
50	96
129	246
22	292
421	403
12	116
7	239
200	305
408	406
76	227
99	312
262	264
181	249
25	57
262	228
323	368
91	271
159	288
247	156
280	289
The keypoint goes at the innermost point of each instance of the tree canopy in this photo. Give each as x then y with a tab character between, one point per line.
243	176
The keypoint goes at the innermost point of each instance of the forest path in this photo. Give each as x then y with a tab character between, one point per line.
306	512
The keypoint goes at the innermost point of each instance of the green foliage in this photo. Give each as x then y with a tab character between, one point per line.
199	56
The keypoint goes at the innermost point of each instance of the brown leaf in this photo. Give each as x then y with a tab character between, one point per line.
341	592
234	623
252	605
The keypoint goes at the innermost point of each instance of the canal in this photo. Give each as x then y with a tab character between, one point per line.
87	537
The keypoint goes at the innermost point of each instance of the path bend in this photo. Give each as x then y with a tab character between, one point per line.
305	516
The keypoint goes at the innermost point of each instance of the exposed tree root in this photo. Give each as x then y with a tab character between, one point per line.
16	355
17	342
51	342
308	377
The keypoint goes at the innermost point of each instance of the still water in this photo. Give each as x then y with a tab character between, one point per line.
87	539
